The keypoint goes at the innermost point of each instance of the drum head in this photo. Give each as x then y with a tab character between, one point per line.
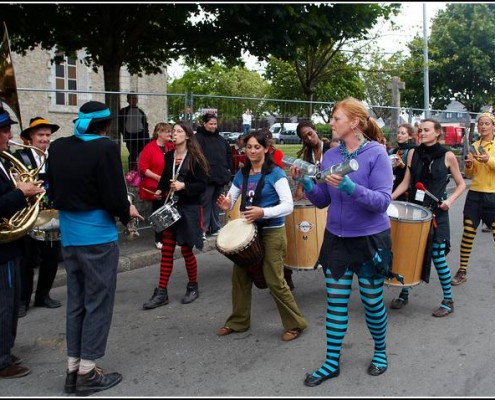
236	234
402	210
303	203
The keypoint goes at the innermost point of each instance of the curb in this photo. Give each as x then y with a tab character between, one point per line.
137	260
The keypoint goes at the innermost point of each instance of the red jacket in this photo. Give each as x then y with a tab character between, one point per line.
153	158
277	156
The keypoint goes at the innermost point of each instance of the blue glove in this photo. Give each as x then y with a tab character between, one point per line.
347	185
306	183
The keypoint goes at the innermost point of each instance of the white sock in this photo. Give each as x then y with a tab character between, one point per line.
86	366
73	364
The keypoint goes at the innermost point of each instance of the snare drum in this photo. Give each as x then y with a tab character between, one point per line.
45	235
305	229
164	217
47	226
410	226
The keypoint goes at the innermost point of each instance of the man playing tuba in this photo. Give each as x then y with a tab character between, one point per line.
13	198
41	246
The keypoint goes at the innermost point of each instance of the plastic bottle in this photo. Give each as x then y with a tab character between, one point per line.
306	167
342	169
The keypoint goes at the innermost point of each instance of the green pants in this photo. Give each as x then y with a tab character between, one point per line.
275	243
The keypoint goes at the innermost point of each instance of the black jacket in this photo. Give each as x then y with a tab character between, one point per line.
11	201
217	152
87	176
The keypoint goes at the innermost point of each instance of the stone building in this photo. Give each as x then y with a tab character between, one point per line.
38	79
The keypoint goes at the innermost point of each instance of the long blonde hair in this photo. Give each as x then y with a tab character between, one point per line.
354	108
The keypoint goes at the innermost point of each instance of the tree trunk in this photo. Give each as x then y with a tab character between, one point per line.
111	76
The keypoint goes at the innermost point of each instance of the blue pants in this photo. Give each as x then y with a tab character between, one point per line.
91	284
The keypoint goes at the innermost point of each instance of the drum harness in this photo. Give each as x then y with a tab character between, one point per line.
255	198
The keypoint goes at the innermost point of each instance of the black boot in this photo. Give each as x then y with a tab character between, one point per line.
159	298
192	293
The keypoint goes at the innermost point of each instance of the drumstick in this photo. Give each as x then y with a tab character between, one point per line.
147	190
420	186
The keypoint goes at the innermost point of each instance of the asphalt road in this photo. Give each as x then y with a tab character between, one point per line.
173	351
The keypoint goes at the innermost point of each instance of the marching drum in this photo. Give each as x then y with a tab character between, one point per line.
47	226
410	226
305	229
239	241
165	216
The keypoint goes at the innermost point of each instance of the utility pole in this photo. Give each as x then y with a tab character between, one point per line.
426	99
396	85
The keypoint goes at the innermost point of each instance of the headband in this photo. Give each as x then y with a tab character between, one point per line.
489	115
82	123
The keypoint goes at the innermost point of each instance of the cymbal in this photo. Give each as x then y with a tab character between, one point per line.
46	216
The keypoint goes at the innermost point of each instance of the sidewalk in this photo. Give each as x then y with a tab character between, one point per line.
137	253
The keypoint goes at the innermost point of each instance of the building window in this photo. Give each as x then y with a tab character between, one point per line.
66	79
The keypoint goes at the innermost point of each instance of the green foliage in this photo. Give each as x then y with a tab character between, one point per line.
461	51
219	80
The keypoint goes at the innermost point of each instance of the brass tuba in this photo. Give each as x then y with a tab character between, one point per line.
23	220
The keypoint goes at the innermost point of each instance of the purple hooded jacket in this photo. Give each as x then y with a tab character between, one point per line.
364	212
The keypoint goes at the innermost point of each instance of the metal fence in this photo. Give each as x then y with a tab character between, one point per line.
169	107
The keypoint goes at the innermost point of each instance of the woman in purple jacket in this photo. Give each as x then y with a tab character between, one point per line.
357	237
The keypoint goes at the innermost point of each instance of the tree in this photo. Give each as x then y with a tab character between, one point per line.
141	37
314	38
341	81
461	51
224	82
146	37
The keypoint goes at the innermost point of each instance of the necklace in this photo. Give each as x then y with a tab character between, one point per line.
345	153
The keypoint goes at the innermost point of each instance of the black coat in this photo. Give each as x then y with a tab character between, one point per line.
11	201
217	151
87	176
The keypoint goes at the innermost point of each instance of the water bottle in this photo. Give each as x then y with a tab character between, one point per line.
342	168
306	167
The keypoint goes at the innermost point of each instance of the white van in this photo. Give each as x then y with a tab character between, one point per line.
286	133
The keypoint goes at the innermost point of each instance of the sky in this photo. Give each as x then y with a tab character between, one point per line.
410	21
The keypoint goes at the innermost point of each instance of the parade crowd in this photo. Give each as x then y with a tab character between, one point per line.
362	194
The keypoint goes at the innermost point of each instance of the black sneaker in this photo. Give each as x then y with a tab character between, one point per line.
23	309
70	382
96	381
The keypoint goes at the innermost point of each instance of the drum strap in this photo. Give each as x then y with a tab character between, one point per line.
255	200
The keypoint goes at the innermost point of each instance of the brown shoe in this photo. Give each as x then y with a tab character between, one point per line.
446	308
14	371
291	334
459	277
224	331
398	303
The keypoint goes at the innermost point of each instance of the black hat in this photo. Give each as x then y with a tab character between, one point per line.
5	119
38	122
94	107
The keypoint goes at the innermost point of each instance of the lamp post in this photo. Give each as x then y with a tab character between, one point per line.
426	86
